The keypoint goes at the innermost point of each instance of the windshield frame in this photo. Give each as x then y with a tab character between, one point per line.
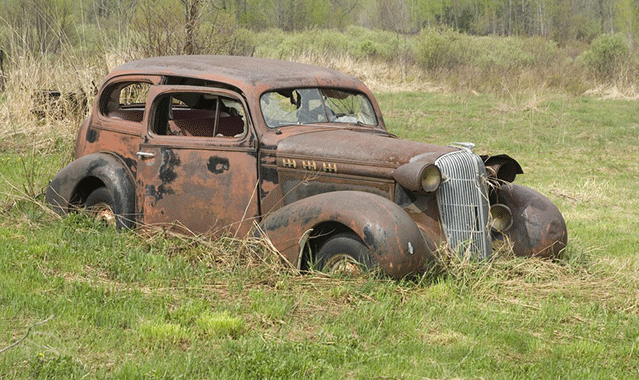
298	106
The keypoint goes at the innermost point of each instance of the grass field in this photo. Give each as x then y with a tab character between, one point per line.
103	304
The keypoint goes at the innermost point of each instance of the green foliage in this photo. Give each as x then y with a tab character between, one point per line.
354	42
495	64
442	50
175	26
608	56
38	27
423	39
221	325
372	44
504	54
451	50
161	333
56	367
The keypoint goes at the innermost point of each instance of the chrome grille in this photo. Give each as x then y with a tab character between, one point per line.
463	202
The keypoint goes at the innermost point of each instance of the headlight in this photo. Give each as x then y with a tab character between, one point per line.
418	176
431	178
501	218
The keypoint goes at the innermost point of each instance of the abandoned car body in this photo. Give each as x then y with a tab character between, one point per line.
298	153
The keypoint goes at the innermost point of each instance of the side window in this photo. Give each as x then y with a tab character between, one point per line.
200	115
126	101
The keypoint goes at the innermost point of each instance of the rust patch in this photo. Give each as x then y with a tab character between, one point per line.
218	165
169	162
92	135
158	193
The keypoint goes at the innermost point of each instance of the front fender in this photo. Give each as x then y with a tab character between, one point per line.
387	230
538	227
73	183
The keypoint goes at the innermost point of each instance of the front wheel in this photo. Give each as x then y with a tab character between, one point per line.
344	253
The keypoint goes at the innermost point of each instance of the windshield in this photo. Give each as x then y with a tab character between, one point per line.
316	105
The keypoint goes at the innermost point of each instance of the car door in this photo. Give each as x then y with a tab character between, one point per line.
197	162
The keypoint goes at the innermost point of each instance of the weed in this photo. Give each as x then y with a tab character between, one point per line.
221	324
56	367
161	333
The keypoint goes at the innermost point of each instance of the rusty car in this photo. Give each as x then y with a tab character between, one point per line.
296	153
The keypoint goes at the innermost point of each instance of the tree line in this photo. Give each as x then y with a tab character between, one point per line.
45	24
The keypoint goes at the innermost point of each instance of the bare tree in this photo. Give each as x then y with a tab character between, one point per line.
191	19
1	70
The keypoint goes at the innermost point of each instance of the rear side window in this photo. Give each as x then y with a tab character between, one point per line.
125	101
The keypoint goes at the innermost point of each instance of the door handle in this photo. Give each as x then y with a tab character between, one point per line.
146	154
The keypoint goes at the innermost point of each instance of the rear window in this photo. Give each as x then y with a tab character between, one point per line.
126	101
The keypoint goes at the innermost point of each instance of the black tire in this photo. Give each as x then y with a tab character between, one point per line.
103	205
344	253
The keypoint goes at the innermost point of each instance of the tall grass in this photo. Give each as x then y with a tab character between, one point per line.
105	304
432	60
125	305
31	119
456	61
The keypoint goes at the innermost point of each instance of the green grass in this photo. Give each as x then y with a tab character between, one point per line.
127	306
580	152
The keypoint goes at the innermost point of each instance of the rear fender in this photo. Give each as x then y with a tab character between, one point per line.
70	187
385	228
538	227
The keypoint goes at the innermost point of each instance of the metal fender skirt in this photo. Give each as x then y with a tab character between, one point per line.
463	203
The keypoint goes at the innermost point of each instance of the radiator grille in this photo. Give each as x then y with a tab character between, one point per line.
463	203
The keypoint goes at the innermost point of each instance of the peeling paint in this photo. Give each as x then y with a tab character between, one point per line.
218	165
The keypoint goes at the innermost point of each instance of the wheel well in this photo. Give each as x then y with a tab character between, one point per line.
316	239
84	188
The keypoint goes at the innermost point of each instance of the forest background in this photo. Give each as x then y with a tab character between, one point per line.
490	45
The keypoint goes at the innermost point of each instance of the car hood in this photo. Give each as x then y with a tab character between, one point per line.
357	147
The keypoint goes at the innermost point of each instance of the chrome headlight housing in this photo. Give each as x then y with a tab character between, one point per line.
418	176
501	218
431	178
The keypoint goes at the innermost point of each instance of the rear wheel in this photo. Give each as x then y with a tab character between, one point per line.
344	253
102	205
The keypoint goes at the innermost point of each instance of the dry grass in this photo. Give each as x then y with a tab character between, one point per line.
628	92
378	76
225	253
583	276
30	121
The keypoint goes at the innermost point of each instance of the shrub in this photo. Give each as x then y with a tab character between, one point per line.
609	54
445	50
503	54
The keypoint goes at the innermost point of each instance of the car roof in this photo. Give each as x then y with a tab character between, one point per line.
246	73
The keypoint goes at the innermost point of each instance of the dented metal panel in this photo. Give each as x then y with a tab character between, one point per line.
204	190
395	241
538	227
